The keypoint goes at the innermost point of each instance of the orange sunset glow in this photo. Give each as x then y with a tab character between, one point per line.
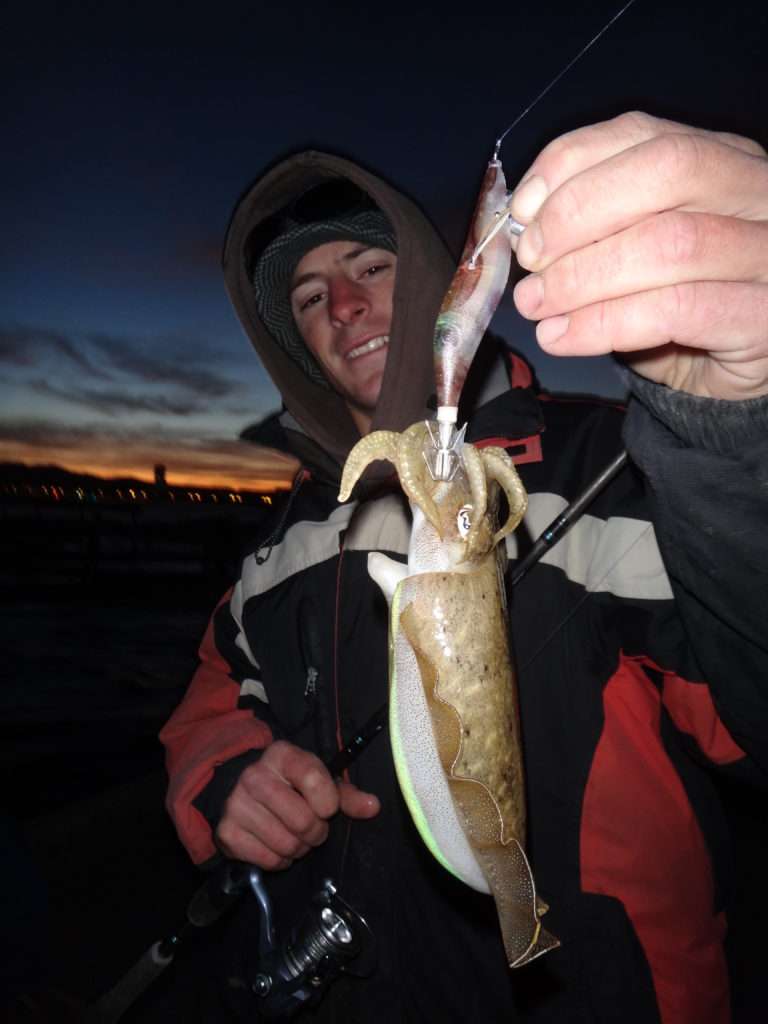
239	466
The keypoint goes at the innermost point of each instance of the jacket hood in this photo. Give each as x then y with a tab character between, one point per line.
424	271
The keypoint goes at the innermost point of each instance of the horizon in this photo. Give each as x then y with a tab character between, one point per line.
210	481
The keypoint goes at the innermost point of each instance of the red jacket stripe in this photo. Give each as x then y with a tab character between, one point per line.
206	730
640	843
529	448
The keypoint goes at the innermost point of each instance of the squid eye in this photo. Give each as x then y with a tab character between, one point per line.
464	520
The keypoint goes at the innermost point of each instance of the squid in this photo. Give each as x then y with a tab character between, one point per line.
453	705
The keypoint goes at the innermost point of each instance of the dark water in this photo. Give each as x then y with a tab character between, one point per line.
100	620
102	610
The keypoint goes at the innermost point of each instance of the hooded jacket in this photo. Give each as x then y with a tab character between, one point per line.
641	661
408	382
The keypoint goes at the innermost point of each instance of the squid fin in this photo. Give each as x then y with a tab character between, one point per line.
386	573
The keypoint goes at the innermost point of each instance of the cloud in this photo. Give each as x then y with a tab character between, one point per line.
31	346
12	352
42	433
103	357
113	401
133	358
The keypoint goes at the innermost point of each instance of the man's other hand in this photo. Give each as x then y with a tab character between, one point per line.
280	806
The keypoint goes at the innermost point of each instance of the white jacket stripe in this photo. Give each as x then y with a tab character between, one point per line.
618	555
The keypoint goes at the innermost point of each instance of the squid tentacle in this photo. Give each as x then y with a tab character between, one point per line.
381	444
499	467
478	489
411	470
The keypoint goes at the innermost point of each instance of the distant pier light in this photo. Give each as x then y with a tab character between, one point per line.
160	475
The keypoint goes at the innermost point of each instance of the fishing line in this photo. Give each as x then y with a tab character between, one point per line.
587	594
545	542
558	76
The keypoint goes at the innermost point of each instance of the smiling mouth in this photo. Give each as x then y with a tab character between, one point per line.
369	346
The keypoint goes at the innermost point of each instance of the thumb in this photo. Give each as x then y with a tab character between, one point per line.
355	803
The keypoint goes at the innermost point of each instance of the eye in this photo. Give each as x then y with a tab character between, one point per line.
311	300
375	268
464	520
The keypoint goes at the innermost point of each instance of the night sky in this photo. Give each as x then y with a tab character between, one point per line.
128	134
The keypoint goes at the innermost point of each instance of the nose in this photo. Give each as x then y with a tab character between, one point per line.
347	302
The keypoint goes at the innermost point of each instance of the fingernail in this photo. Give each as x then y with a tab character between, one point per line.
530	246
528	294
528	198
552	330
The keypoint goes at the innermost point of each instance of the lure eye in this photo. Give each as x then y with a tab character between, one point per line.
464	520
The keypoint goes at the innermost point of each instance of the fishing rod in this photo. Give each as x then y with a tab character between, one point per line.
289	972
559	526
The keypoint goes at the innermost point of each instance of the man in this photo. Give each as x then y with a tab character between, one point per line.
645	238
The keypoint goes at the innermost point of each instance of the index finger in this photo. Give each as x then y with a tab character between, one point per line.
685	171
577	150
307	774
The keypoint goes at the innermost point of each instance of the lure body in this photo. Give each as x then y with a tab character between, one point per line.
454	721
476	288
469	304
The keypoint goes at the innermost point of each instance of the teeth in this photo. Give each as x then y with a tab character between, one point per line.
369	346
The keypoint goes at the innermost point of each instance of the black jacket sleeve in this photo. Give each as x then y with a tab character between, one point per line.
705	462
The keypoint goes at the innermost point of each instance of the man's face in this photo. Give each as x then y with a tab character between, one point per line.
341	298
